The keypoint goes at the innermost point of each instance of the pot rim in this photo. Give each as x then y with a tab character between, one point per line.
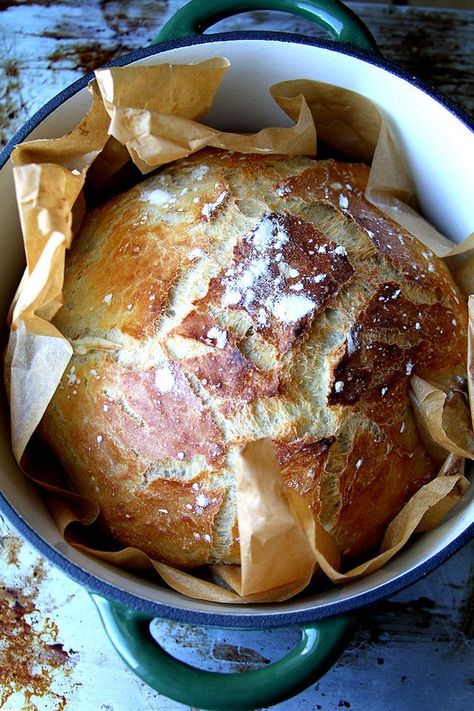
267	617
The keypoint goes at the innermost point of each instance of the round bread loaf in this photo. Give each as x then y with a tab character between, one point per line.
233	297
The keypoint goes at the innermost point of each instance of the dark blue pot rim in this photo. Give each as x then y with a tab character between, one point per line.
268	617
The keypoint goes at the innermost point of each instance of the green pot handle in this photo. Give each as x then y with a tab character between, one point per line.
129	631
335	17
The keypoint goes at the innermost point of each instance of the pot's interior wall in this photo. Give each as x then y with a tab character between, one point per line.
442	171
24	497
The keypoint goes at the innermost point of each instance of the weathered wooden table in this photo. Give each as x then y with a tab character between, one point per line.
415	650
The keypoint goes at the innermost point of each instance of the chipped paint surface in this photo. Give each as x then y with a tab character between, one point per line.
414	651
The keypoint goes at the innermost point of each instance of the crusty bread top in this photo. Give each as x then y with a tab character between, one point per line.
233	297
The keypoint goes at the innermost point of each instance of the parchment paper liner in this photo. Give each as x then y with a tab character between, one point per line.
281	544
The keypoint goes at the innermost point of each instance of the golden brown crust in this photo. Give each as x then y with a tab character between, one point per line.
243	297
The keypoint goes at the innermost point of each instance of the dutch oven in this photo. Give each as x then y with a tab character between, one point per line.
437	140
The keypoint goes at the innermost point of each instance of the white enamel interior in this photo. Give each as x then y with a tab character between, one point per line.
439	150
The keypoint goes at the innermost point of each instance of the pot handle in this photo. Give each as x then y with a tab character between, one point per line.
335	17
129	631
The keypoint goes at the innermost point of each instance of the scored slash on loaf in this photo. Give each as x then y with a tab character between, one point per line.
242	297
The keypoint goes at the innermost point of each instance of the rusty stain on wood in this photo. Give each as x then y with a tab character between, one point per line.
84	57
241	656
12	546
128	19
11	101
30	652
